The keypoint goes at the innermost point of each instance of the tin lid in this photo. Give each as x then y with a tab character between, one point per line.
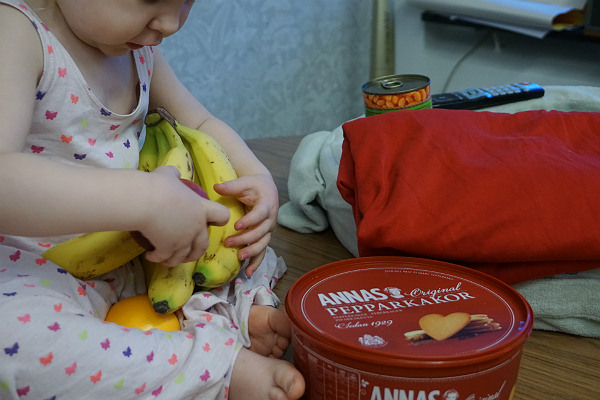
395	84
406	311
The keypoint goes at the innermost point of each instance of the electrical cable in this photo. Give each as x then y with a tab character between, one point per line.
464	57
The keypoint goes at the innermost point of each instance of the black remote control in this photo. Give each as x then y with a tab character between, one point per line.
471	99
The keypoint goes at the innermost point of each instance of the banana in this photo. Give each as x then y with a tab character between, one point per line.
149	152
92	254
180	158
162	145
218	268
169	288
171	149
214	235
219	264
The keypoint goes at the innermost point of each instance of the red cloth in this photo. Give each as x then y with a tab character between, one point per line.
513	195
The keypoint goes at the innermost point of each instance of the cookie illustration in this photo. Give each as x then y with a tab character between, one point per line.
442	327
478	324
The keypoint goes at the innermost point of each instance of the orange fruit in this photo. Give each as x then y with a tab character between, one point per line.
137	312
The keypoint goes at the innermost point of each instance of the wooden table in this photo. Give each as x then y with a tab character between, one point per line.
554	366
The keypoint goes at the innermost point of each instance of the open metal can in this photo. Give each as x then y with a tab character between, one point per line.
396	92
399	328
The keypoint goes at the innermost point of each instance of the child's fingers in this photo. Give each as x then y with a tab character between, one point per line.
249	236
216	214
253	264
257	215
255	253
170	258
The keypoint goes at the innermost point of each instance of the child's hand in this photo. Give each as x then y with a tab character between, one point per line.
259	193
177	219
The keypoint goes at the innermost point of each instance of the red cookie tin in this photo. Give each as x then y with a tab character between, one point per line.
396	328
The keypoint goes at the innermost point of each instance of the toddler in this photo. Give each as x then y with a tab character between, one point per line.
77	79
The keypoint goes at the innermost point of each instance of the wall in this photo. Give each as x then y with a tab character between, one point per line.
275	67
289	67
491	58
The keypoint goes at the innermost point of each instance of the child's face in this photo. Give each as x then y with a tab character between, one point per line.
116	27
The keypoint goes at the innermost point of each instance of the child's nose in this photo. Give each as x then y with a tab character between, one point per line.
167	24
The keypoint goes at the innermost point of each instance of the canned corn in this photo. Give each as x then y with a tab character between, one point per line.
396	92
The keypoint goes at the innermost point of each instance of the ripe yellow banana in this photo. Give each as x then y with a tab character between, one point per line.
219	264
169	288
93	254
218	268
180	158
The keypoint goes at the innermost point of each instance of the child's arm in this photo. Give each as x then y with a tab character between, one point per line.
255	188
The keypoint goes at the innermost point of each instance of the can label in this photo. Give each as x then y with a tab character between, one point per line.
409	311
396	92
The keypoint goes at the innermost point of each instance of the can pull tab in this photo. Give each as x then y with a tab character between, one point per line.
391	83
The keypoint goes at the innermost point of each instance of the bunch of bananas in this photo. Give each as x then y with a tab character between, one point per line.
200	159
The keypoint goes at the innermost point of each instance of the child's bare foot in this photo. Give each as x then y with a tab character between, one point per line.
256	377
269	330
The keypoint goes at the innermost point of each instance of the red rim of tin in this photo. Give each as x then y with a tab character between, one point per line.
513	339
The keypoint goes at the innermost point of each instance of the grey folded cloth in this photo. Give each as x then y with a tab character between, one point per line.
568	303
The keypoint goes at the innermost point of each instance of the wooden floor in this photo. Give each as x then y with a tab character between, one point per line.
554	366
